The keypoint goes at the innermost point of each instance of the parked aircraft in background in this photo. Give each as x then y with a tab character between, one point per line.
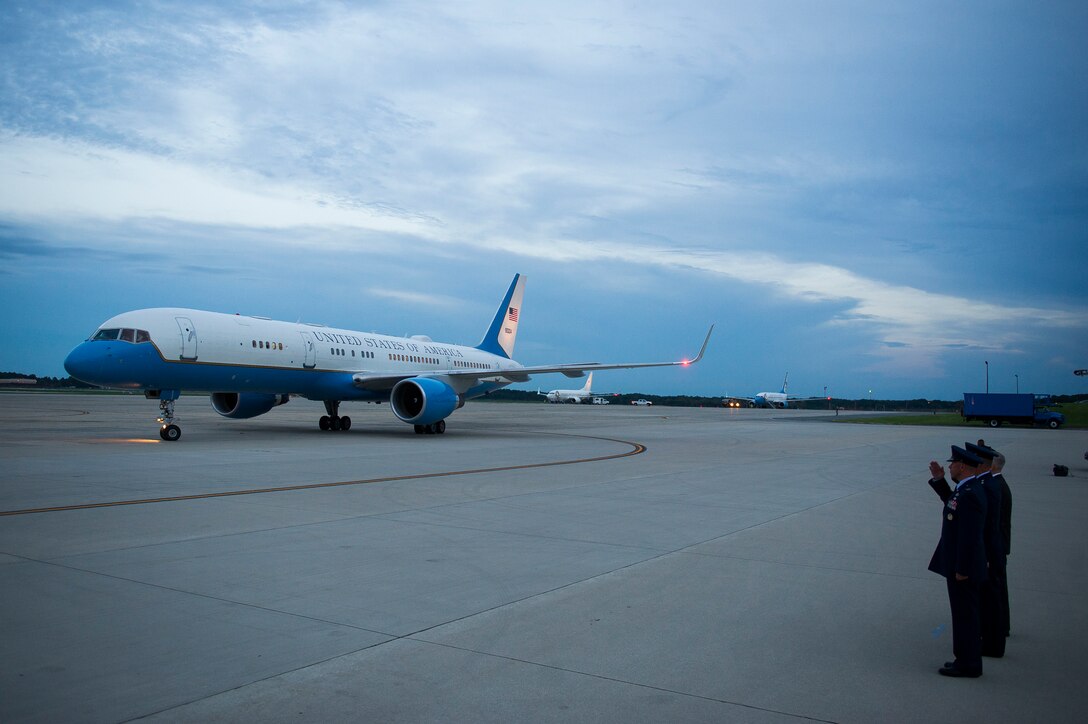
778	400
582	395
252	364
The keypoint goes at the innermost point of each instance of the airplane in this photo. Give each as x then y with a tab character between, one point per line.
251	364
576	396
779	400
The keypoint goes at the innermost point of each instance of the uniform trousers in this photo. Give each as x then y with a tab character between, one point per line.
963	599
1005	603
991	616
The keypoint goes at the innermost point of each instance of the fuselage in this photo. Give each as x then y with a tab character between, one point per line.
568	396
771	399
193	350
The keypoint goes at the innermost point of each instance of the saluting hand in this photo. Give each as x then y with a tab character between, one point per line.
936	472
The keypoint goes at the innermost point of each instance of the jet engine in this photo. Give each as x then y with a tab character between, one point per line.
423	400
243	405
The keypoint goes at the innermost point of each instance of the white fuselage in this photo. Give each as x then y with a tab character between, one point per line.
210	351
577	396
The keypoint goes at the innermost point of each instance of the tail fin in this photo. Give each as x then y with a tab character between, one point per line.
588	383
785	382
500	336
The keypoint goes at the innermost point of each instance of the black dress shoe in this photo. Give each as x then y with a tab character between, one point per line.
959	673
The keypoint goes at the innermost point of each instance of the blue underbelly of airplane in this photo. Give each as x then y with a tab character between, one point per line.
141	367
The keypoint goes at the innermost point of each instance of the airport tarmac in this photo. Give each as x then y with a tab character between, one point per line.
537	563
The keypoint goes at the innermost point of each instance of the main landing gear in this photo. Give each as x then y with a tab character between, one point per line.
168	431
436	429
333	421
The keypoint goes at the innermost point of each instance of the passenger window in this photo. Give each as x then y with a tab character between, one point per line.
142	336
106	334
128	335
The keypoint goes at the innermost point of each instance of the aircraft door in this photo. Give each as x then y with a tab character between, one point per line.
309	351
188	337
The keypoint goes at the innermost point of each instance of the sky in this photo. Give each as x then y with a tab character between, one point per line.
884	200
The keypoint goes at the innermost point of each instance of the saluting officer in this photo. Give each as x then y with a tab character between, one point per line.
961	558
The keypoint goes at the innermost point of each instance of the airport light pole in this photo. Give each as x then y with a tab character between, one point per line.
987	363
1017	376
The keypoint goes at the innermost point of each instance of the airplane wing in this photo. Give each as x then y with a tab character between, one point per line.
578	369
385	381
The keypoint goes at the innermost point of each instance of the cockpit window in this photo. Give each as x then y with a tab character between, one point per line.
125	335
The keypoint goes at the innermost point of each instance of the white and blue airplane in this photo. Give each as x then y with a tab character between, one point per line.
252	364
779	400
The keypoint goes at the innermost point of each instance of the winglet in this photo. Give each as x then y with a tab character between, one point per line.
701	349
500	336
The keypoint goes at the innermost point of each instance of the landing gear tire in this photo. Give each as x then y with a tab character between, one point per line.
434	429
440	427
333	423
419	429
995	423
170	433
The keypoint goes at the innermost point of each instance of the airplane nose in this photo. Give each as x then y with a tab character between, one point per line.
80	362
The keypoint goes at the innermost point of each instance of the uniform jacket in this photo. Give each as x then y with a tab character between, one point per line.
941	488
1005	519
991	533
961	548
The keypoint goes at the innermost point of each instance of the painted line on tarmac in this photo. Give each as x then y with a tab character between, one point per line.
637	449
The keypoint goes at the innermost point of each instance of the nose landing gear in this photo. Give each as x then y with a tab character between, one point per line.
168	431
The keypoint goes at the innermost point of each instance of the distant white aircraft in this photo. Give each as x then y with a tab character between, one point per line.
252	364
779	400
574	396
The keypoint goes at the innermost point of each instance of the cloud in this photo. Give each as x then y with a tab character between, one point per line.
837	161
48	178
420	299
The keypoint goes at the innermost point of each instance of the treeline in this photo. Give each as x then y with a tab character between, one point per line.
21	381
919	405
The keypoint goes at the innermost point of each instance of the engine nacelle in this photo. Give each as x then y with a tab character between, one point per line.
243	405
423	400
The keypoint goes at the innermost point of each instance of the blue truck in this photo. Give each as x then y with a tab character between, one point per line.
994	408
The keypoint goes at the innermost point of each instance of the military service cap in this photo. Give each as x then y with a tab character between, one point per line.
961	455
981	451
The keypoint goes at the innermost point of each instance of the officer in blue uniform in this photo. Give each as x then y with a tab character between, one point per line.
991	618
1005	524
961	558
